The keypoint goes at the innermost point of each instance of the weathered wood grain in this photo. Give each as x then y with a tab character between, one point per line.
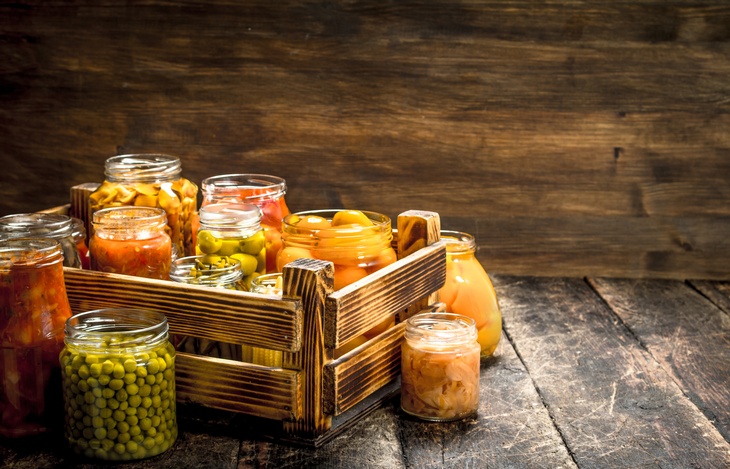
611	400
717	292
569	138
687	334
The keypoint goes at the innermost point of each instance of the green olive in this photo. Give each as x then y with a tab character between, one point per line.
207	243
254	244
248	263
228	247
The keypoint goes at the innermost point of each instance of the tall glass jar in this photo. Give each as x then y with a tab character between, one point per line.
440	367
468	290
44	225
131	241
33	310
233	230
118	371
265	191
225	273
151	180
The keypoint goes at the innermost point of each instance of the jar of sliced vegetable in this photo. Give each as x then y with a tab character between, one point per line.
118	371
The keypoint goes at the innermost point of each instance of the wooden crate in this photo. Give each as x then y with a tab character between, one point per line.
312	396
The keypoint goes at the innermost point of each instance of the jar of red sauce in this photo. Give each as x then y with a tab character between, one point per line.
33	310
265	191
131	241
468	289
44	225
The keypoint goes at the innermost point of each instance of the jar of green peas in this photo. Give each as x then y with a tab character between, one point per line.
118	372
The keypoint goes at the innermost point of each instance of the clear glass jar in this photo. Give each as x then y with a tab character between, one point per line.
131	241
227	274
468	290
43	225
440	367
233	230
151	180
33	310
268	284
265	191
118	371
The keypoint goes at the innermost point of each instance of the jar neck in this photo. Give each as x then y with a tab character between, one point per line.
29	253
191	271
458	242
142	168
440	330
124	223
251	188
32	225
116	330
240	219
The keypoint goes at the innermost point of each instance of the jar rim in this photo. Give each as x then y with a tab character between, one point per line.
120	217
458	241
143	326
380	220
181	267
230	215
142	167
25	225
440	328
30	252
264	186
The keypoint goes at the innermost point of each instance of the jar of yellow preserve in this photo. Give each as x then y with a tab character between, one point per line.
118	372
468	290
151	180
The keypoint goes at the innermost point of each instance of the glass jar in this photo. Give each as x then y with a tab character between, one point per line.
268	284
33	310
233	230
43	225
118	371
468	289
131	241
440	367
151	180
265	191
227	274
79	236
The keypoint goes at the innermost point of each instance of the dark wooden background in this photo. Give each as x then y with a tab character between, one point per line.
571	138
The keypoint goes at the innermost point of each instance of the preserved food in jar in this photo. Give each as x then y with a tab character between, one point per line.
44	225
33	310
265	191
233	230
268	284
440	367
79	235
118	371
131	241
468	289
151	181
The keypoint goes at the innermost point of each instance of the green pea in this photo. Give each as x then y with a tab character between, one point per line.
116	384
130	365
119	370
153	366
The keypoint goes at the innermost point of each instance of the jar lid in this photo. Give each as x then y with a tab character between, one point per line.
230	215
243	187
29	225
142	168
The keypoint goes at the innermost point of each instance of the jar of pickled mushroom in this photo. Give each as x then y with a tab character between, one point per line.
151	180
358	243
44	225
118	372
225	273
233	230
468	289
79	236
33	310
265	191
440	367
131	241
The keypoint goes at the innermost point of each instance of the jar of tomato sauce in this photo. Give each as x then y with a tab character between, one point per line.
44	225
468	290
131	241
265	191
33	310
440	367
151	180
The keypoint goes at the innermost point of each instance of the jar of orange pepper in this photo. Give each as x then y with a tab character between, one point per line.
151	180
468	289
33	310
131	241
265	191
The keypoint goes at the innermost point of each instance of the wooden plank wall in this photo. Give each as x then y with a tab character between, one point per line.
571	138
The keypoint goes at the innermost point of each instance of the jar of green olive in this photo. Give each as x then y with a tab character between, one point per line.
118	374
232	230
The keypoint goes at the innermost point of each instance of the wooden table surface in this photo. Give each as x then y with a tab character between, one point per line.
589	373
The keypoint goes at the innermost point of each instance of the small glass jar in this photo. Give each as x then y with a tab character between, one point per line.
79	235
43	225
118	371
265	191
131	241
440	367
33	310
151	180
268	284
468	289
225	273
233	230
